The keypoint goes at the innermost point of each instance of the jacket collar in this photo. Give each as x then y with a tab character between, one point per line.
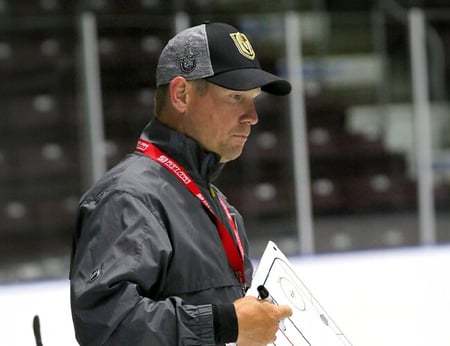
202	165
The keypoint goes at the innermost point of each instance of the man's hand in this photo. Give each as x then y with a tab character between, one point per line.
258	320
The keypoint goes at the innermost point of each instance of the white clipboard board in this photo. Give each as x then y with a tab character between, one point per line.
309	323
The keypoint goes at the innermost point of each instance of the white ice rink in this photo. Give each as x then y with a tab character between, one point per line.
383	298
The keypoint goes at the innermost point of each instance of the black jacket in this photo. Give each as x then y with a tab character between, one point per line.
148	266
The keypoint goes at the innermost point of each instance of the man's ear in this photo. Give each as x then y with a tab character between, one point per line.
178	93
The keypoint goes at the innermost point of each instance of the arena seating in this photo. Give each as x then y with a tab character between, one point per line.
40	149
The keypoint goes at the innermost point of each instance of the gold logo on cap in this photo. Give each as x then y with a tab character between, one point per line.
243	45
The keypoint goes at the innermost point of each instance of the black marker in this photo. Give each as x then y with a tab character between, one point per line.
265	295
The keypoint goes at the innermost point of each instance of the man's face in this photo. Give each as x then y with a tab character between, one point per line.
220	120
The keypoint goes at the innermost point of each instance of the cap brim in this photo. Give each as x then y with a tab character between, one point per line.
246	79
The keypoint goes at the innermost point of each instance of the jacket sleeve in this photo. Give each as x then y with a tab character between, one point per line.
120	255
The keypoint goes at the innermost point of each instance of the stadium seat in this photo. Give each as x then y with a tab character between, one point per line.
18	216
45	161
327	196
380	192
265	199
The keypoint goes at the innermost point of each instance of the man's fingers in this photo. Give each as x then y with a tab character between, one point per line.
285	311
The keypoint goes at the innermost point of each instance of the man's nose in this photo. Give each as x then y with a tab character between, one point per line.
250	114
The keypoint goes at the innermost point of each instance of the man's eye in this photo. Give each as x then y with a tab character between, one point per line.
236	97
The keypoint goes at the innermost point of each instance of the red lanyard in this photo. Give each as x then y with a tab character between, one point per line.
234	254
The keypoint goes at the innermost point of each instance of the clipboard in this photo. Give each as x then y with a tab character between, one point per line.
309	323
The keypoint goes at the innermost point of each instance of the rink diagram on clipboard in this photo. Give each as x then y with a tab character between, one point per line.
309	323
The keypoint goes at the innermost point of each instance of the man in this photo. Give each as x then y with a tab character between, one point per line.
160	256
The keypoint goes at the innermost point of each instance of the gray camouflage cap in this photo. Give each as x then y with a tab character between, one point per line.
219	53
